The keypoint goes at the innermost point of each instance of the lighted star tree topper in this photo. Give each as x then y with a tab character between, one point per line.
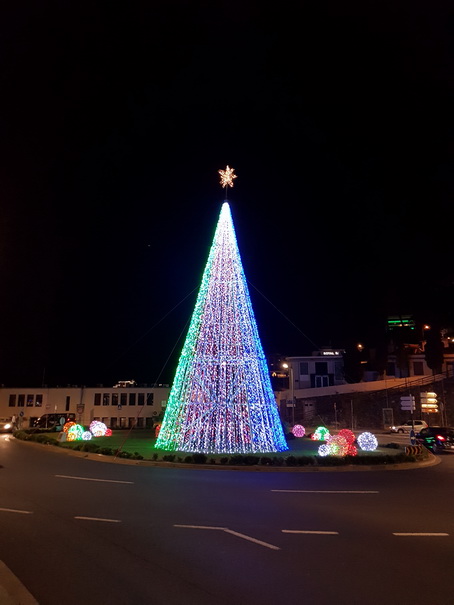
221	400
227	177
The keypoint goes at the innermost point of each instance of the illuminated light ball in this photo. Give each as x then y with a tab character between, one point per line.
323	450
298	430
321	433
67	426
352	450
367	442
86	436
337	445
76	430
108	433
98	428
348	435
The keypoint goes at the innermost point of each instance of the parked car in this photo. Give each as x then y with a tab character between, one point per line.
437	439
407	426
53	421
6	426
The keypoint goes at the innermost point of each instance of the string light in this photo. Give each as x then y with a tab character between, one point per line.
321	433
298	430
367	442
98	428
227	176
221	400
337	445
348	435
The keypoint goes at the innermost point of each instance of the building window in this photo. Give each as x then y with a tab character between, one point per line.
123	398
304	368
140	422
150	398
30	400
21	401
106	399
12	401
113	423
418	368
122	422
339	371
115	399
39	401
68	400
97	398
149	423
132	399
141	398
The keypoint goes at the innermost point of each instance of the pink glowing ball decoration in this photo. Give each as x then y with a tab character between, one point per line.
298	430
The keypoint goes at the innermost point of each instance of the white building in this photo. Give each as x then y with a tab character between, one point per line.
116	407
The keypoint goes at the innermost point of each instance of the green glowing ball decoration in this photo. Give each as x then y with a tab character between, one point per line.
321	433
75	432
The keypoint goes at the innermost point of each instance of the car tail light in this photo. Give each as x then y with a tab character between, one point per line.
441	438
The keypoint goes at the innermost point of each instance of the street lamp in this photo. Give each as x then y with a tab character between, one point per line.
292	387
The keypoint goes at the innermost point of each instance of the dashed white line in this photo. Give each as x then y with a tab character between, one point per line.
15	510
91	479
304	531
437	534
200	527
99	519
324	491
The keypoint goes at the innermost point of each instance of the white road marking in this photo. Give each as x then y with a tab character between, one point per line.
324	491
90	479
200	527
98	519
303	531
420	534
234	533
15	510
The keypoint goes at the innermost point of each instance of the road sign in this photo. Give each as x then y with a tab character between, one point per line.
407	402
429	402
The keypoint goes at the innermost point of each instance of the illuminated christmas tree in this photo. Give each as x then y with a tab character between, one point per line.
221	400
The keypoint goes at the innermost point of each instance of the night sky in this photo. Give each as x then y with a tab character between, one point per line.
336	116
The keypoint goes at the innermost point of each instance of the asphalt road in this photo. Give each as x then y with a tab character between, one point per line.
77	531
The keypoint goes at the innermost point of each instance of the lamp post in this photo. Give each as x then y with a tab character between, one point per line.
292	387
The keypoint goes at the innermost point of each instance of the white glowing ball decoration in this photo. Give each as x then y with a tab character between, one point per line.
86	436
98	428
367	442
324	450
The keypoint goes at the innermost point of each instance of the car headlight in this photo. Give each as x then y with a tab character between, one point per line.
7	426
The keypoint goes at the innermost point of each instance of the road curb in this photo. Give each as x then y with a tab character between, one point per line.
432	460
12	591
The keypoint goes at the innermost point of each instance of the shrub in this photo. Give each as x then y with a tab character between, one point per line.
89	446
188	460
265	461
224	460
106	451
250	460
169	457
199	458
154	457
137	456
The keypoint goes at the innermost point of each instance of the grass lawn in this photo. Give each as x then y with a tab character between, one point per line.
143	442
